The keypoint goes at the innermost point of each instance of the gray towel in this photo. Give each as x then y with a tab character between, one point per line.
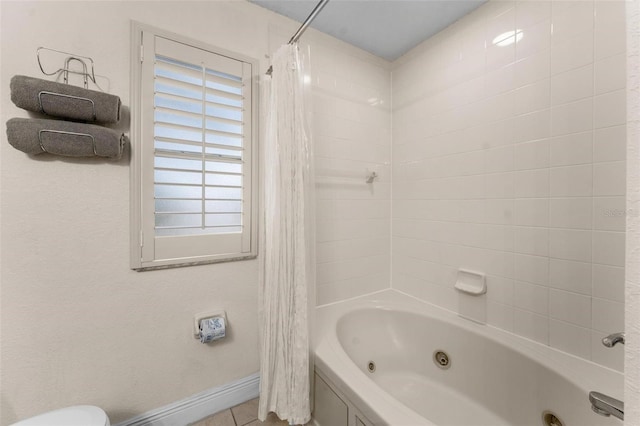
35	136
64	100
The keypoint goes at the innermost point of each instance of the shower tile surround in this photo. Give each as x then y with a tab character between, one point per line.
351	127
511	160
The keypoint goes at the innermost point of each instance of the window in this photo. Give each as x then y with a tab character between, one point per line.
193	185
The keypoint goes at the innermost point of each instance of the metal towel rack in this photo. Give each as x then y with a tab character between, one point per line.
63	132
88	72
346	177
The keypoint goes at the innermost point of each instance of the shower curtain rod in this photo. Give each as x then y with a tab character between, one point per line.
304	25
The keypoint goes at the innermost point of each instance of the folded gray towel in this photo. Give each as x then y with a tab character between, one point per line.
35	136
64	100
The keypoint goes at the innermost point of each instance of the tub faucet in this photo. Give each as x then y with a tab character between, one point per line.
606	406
613	339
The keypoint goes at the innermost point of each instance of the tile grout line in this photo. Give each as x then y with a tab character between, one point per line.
233	416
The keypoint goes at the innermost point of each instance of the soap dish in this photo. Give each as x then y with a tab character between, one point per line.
471	282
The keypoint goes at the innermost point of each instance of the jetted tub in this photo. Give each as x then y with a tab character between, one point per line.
376	354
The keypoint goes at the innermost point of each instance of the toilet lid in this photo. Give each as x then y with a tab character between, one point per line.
79	415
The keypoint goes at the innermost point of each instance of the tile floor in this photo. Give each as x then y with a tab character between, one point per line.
241	415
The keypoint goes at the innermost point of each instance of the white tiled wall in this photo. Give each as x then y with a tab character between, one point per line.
632	301
351	97
511	161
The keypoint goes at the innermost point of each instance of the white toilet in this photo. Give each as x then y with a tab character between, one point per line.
78	415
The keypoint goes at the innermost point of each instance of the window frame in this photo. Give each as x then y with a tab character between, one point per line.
141	256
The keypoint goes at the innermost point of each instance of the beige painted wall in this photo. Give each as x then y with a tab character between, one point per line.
77	325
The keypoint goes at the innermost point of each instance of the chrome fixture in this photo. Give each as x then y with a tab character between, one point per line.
441	359
603	404
606	406
613	339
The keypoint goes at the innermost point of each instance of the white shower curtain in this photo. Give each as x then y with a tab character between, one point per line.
288	273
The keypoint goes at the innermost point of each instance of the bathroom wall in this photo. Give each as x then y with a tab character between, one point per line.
77	325
511	161
505	160
632	294
351	98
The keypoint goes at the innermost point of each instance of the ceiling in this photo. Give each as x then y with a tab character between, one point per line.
386	28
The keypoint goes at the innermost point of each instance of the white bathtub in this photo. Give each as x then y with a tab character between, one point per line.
495	378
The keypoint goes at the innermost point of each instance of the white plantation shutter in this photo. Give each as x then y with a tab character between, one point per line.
197	155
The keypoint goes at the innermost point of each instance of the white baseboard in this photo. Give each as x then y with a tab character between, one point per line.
200	405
